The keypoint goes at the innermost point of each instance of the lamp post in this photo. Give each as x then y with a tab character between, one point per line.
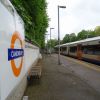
50	39
59	34
47	43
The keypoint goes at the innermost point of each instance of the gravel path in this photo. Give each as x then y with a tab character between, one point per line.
59	83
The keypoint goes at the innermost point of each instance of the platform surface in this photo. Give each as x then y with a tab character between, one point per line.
68	81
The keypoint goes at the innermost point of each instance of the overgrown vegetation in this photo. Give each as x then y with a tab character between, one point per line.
51	43
73	37
33	13
81	35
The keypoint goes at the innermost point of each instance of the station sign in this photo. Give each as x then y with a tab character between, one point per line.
16	53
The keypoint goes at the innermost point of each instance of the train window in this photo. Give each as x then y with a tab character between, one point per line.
63	48
96	49
93	49
73	49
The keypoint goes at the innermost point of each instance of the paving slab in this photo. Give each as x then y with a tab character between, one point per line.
59	83
89	72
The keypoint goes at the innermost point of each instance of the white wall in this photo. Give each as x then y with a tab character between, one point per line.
10	22
32	54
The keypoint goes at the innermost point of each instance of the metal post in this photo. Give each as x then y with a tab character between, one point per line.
59	62
50	39
47	43
58	39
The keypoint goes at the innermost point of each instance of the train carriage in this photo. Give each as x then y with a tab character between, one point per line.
88	49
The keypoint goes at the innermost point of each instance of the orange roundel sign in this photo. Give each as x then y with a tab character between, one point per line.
15	53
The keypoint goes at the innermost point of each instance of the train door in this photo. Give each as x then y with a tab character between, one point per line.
67	49
79	51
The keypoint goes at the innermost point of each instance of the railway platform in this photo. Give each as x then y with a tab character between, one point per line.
72	80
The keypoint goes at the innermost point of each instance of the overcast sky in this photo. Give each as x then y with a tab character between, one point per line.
78	15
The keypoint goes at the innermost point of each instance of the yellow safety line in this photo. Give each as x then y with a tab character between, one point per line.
90	66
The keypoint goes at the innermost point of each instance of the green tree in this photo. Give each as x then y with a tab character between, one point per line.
51	43
66	38
97	31
69	38
90	34
34	15
72	37
82	35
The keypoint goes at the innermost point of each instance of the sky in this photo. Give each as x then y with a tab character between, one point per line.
78	15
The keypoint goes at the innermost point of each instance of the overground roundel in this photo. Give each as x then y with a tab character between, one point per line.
14	53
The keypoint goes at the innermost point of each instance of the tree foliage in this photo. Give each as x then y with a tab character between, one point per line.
69	38
66	39
73	37
81	35
34	15
51	43
97	31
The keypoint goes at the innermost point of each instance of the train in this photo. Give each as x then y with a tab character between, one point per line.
87	49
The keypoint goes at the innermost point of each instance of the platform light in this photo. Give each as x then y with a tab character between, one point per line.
59	62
